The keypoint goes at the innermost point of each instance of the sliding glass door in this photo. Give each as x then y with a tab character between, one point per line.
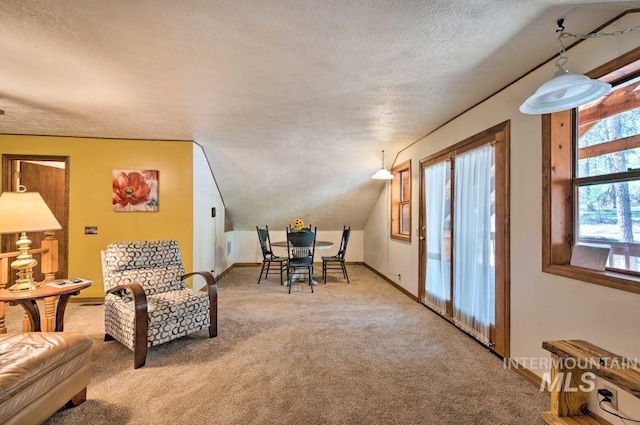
462	200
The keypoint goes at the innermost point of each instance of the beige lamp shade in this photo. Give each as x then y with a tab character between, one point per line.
25	212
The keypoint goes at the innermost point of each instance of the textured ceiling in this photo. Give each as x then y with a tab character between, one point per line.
291	100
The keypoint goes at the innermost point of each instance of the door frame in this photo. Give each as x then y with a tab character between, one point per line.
500	135
7	177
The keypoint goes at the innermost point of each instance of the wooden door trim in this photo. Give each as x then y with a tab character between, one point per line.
7	159
499	135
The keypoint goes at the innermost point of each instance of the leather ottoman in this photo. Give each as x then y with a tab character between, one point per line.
40	372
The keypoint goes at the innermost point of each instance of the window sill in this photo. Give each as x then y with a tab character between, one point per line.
401	238
621	281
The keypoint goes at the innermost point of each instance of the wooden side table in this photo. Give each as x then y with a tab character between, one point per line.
53	313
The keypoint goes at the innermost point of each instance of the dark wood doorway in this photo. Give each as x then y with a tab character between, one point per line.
48	175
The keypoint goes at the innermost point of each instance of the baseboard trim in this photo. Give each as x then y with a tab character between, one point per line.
392	283
525	373
87	300
226	272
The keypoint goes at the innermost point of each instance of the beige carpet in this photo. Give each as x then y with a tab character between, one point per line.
359	353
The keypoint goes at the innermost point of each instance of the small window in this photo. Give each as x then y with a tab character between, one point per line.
401	202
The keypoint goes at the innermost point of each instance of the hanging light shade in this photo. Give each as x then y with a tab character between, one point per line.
565	90
382	173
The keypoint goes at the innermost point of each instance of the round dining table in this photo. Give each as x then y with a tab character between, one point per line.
319	244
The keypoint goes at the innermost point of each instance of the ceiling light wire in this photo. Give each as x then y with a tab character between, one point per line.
562	60
567	90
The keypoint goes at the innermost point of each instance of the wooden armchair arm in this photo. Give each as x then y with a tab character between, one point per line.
139	300
212	289
141	323
208	277
139	297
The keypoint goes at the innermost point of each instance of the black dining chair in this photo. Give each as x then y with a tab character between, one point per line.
268	256
337	262
301	248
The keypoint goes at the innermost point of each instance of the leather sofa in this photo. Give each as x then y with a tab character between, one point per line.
40	372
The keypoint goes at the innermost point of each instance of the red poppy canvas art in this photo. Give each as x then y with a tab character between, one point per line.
135	190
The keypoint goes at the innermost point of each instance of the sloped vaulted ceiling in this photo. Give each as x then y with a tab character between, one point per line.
292	100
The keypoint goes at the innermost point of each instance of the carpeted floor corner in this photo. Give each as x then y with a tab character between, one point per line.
359	353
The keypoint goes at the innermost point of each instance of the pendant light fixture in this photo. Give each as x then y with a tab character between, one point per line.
382	173
567	90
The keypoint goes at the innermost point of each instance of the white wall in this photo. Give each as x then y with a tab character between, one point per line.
391	256
209	239
246	249
543	306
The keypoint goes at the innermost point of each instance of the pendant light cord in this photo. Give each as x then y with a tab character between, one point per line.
562	60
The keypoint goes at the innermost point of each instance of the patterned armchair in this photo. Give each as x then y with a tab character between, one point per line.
147	302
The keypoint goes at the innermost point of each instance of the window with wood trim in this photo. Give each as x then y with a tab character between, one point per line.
401	201
591	180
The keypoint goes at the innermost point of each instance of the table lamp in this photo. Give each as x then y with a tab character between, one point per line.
22	212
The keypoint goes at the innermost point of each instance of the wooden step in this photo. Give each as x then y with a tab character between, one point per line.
566	406
611	367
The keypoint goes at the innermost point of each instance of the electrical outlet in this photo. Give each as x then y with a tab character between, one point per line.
614	398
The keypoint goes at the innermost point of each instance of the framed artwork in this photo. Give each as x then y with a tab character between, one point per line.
135	190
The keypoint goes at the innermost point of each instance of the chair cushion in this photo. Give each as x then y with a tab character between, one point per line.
143	254
160	307
170	315
167	305
153	281
301	262
276	259
127	262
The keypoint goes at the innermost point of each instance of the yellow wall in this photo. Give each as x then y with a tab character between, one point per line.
91	162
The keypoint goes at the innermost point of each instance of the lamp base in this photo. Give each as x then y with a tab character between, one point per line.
24	285
24	265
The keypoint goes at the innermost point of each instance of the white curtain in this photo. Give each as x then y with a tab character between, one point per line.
438	274
474	268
